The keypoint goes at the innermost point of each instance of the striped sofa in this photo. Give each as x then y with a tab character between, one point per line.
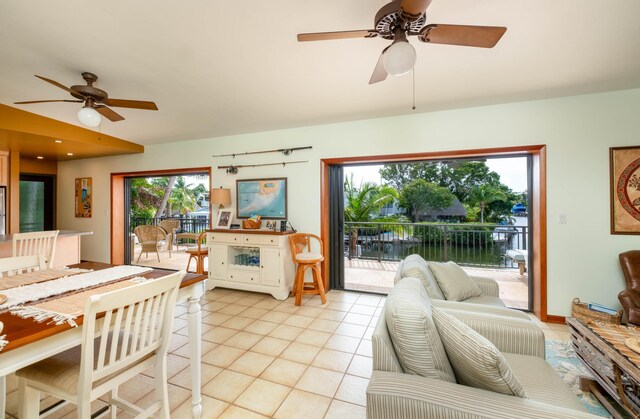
415	266
413	379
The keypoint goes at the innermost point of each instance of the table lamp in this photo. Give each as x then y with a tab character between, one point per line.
221	196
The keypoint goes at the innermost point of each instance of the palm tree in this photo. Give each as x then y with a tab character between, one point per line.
483	195
363	204
182	196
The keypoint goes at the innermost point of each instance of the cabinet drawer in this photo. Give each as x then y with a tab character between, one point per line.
244	276
261	239
225	238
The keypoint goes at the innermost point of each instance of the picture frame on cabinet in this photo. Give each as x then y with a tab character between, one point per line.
225	216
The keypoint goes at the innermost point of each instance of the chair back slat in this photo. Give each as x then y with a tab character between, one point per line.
106	325
36	243
137	323
21	265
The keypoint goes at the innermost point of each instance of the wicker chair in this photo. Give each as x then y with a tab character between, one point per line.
152	239
171	227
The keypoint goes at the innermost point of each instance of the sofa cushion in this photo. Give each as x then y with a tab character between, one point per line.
454	281
415	338
475	361
541	382
416	267
486	300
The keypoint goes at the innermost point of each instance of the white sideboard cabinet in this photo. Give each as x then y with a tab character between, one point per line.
251	260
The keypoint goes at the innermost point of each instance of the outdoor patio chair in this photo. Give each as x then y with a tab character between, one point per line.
171	227
152	239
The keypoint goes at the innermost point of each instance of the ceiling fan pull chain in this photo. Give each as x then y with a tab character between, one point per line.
414	88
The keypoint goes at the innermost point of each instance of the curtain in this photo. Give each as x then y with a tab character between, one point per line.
336	227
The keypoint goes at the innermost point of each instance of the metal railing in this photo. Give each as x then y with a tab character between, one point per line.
187	225
466	244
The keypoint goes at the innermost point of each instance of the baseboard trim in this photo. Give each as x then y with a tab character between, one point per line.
556	319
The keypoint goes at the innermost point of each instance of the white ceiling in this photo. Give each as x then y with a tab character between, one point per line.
218	68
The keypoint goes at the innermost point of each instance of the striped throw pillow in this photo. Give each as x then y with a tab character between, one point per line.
415	338
475	361
454	281
416	267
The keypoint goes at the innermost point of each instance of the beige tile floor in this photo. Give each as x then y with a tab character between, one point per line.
268	358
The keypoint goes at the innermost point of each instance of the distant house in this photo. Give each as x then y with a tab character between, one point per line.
392	208
456	212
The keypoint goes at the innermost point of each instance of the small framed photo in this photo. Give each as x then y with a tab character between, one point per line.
225	215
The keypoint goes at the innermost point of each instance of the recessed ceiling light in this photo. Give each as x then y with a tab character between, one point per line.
69	154
40	157
57	141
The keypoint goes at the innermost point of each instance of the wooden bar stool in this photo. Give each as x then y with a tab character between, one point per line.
305	259
198	254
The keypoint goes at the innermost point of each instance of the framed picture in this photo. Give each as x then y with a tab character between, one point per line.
624	166
264	197
84	197
225	215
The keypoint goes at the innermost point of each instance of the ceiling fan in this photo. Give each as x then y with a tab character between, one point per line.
95	101
402	18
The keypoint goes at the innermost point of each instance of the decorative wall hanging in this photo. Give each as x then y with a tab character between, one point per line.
84	197
233	170
625	189
264	197
284	151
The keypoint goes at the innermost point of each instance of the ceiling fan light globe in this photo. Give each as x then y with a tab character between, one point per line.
89	117
399	58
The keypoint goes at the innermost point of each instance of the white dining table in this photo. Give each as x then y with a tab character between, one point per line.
191	291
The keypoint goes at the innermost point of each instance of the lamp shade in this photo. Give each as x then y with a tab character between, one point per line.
89	117
399	58
221	196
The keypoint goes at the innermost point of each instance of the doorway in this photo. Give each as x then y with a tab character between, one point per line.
333	228
37	203
145	190
470	211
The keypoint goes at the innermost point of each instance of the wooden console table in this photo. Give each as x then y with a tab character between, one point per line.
251	260
614	366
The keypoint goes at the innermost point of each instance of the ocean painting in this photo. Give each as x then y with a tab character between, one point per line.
264	197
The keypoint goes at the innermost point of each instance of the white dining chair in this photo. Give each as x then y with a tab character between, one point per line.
35	243
132	336
21	264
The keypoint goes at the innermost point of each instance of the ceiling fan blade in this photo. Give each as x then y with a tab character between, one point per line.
135	104
469	36
324	36
109	113
55	83
411	10
379	73
45	101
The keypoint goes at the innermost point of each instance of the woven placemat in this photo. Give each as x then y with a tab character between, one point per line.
67	308
616	335
34	277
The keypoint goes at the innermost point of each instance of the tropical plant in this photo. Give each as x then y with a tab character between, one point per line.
484	195
182	196
364	203
419	196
